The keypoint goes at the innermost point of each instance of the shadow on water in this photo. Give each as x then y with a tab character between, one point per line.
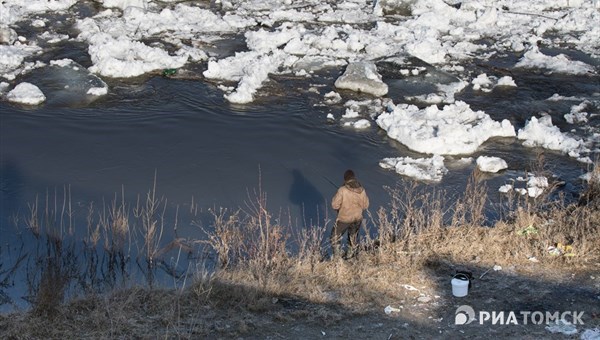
11	185
308	198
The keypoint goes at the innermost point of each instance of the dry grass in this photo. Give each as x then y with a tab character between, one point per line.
260	261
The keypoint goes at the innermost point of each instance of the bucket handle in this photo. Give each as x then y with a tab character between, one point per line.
464	277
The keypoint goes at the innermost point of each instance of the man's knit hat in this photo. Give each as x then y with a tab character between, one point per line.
348	175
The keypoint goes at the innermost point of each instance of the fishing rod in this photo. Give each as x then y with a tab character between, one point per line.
330	181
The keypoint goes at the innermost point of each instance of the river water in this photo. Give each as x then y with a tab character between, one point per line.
204	152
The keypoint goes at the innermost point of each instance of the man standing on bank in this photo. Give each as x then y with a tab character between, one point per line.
349	201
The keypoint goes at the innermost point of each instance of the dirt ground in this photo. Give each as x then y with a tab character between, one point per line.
427	310
424	308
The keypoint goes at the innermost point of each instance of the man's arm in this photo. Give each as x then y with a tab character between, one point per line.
365	201
336	201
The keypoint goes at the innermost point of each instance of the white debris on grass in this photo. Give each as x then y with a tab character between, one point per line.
26	93
389	310
455	129
562	327
409	287
591	334
426	169
491	164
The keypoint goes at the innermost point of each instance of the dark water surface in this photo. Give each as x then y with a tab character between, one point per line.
206	153
204	150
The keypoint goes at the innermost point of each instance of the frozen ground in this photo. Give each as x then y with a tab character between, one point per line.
131	38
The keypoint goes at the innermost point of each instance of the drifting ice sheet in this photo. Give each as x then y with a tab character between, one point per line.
426	169
540	132
26	93
560	63
362	77
491	164
456	129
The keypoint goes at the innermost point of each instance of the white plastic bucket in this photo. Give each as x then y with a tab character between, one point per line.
460	285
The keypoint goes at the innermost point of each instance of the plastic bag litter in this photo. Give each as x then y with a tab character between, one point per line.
563	327
390	309
591	334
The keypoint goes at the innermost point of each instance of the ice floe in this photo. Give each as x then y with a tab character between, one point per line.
491	164
26	93
454	129
486	83
362	77
578	113
427	169
131	38
542	133
533	58
124	58
532	186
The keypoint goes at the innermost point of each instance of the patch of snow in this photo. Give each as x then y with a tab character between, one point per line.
123	58
562	327
332	98
250	69
591	334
